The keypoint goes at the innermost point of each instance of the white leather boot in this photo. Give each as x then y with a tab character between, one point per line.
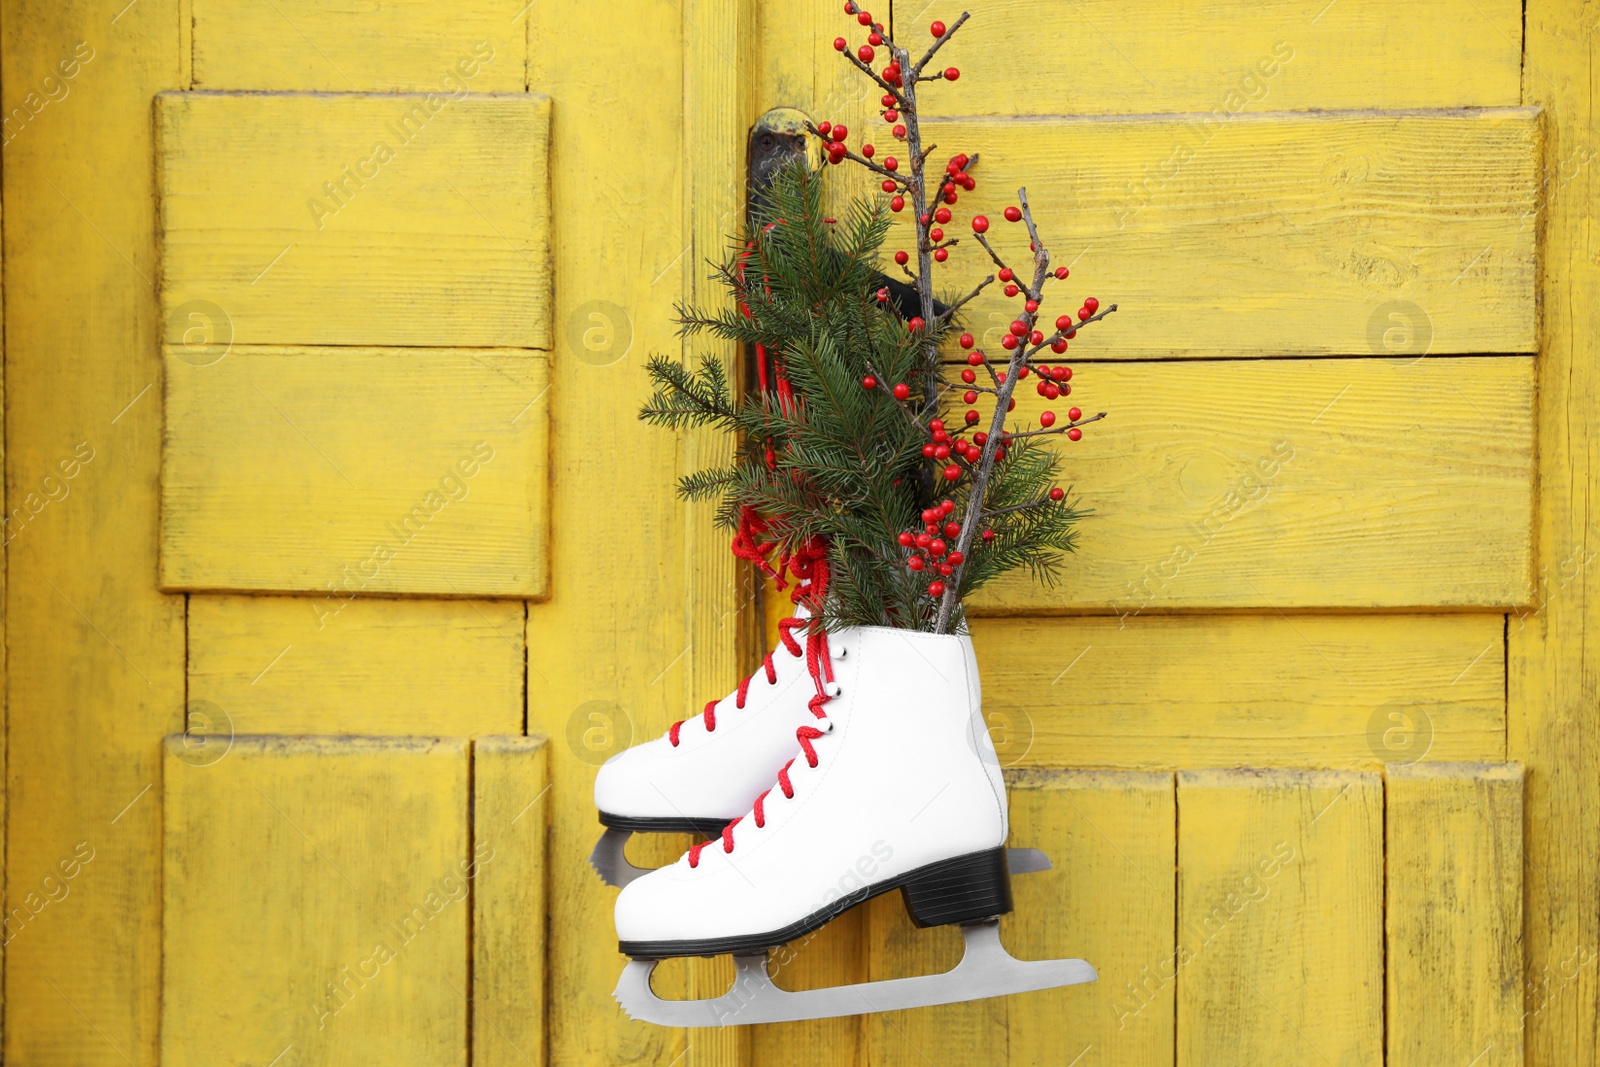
707	770
893	785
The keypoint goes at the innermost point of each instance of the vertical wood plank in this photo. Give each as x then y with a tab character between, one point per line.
104	649
1109	898
1553	720
510	806
613	633
1280	941
1453	848
315	903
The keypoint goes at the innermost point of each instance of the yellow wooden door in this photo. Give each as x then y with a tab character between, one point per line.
336	560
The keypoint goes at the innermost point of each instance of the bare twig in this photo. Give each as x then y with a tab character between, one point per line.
953	308
916	72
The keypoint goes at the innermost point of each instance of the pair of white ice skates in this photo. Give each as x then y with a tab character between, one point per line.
848	765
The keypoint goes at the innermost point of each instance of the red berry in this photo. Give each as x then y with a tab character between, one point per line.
957	559
1047	419
869	382
1005	274
952	472
950	196
897	203
929	514
936	589
1008	342
1084	313
1011	405
1074	414
972	416
941	254
1041	387
849	7
968	375
915	563
840	44
902	391
1001	376
874	38
1030	306
1058	346
947	507
1092	304
1019	327
988	536
890	163
951	73
1056	493
979	224
952	529
915	324
967	341
935	234
891	74
980	437
891	115
1049	390
928	450
868	151
1064	322
1022	372
888	100
1066	390
937	548
924	540
840	132
1013	214
902	257
1012	290
937	29
907	540
1074	434
941	452
975	359
900	132
946	569
942	215
1036	338
890	185
865	53
865	18
970	396
1062	272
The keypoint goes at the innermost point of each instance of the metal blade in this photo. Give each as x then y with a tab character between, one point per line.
1026	860
610	863
986	970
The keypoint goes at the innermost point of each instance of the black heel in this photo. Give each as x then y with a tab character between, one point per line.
965	889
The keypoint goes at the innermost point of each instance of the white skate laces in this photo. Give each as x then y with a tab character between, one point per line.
819	663
709	715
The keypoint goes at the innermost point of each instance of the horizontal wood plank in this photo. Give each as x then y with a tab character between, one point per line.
1281	54
362	665
1222	691
393	47
355	219
1280	918
1456	991
1278	484
1353	233
356	471
315	898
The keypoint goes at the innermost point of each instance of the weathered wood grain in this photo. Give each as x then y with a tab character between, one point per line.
356	471
1100	56
1453	965
1280	917
1277	484
369	665
103	648
510	913
1208	691
396	47
1343	233
315	899
1110	898
1554	721
357	219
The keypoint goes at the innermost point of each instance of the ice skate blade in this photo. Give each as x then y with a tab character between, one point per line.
610	863
986	970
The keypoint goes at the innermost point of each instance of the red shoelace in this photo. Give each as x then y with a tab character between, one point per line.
709	715
819	664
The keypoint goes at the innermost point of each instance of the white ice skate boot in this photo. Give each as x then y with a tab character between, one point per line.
709	769
894	786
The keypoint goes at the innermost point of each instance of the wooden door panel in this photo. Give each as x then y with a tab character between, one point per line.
357	219
1107	56
1269	484
356	471
1267	235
